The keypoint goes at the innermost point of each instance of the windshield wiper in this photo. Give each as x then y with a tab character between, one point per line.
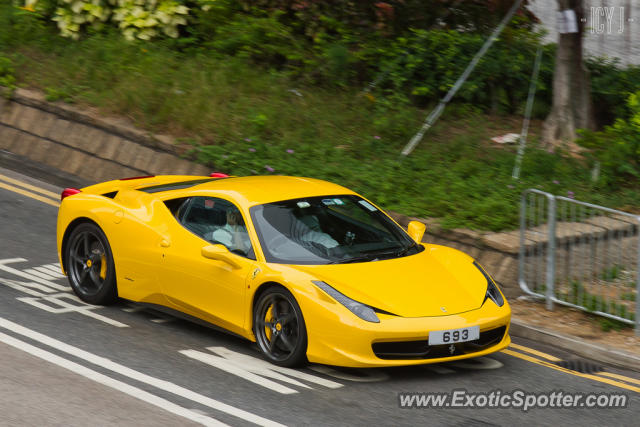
406	250
368	257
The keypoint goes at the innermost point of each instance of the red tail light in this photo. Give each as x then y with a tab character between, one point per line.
218	175
137	177
69	192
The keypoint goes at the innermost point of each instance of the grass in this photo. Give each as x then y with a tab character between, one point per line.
611	273
243	119
629	297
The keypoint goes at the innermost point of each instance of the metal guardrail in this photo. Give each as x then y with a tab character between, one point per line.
580	255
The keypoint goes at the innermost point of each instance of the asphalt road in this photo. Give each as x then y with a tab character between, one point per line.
66	363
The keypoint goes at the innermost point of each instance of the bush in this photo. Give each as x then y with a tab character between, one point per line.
426	64
617	148
7	75
610	87
142	19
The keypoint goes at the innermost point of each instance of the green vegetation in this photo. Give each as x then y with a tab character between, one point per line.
618	147
579	295
7	75
277	90
629	297
608	324
611	273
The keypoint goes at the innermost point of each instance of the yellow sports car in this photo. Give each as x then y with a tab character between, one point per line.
307	269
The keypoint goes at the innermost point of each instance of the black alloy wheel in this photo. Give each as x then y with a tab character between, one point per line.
90	267
279	328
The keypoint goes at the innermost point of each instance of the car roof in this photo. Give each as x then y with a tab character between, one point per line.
257	190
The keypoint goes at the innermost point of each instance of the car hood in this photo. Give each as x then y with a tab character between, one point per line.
438	281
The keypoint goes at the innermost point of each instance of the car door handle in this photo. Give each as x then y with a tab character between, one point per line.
165	243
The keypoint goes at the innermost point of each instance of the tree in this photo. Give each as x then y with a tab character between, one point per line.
572	107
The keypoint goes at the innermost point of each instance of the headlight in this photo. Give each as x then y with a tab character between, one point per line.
362	311
492	289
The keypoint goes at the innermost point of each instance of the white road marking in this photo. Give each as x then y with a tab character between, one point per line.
34	278
52	271
110	382
135	375
257	370
29	288
34	272
65	307
227	366
55	267
163	320
45	294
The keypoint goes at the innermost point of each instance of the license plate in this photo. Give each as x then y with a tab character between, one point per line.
454	335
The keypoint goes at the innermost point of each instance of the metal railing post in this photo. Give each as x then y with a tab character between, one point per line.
551	252
523	230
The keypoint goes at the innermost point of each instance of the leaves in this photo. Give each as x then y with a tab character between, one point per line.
136	19
617	148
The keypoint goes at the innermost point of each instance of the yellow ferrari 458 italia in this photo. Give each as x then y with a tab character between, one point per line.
307	269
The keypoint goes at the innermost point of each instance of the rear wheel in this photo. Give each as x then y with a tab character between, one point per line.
90	266
279	328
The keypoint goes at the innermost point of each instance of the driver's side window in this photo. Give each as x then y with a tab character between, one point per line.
216	221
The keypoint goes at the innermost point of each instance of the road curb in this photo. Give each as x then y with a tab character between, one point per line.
594	352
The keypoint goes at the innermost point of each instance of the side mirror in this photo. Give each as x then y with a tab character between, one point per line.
416	230
219	253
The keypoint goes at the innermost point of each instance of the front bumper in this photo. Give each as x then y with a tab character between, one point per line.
342	339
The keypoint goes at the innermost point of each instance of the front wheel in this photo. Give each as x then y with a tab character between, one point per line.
90	266
279	328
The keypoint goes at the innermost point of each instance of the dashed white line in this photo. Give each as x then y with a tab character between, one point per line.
135	375
110	382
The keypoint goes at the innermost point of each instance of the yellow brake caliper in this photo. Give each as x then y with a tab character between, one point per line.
103	267
267	318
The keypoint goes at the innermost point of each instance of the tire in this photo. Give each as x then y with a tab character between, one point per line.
90	267
279	328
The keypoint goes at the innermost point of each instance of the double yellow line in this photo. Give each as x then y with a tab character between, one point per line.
29	190
547	360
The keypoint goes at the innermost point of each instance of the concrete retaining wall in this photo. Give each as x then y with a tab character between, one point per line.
82	144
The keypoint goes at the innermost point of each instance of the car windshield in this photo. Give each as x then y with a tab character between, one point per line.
328	230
